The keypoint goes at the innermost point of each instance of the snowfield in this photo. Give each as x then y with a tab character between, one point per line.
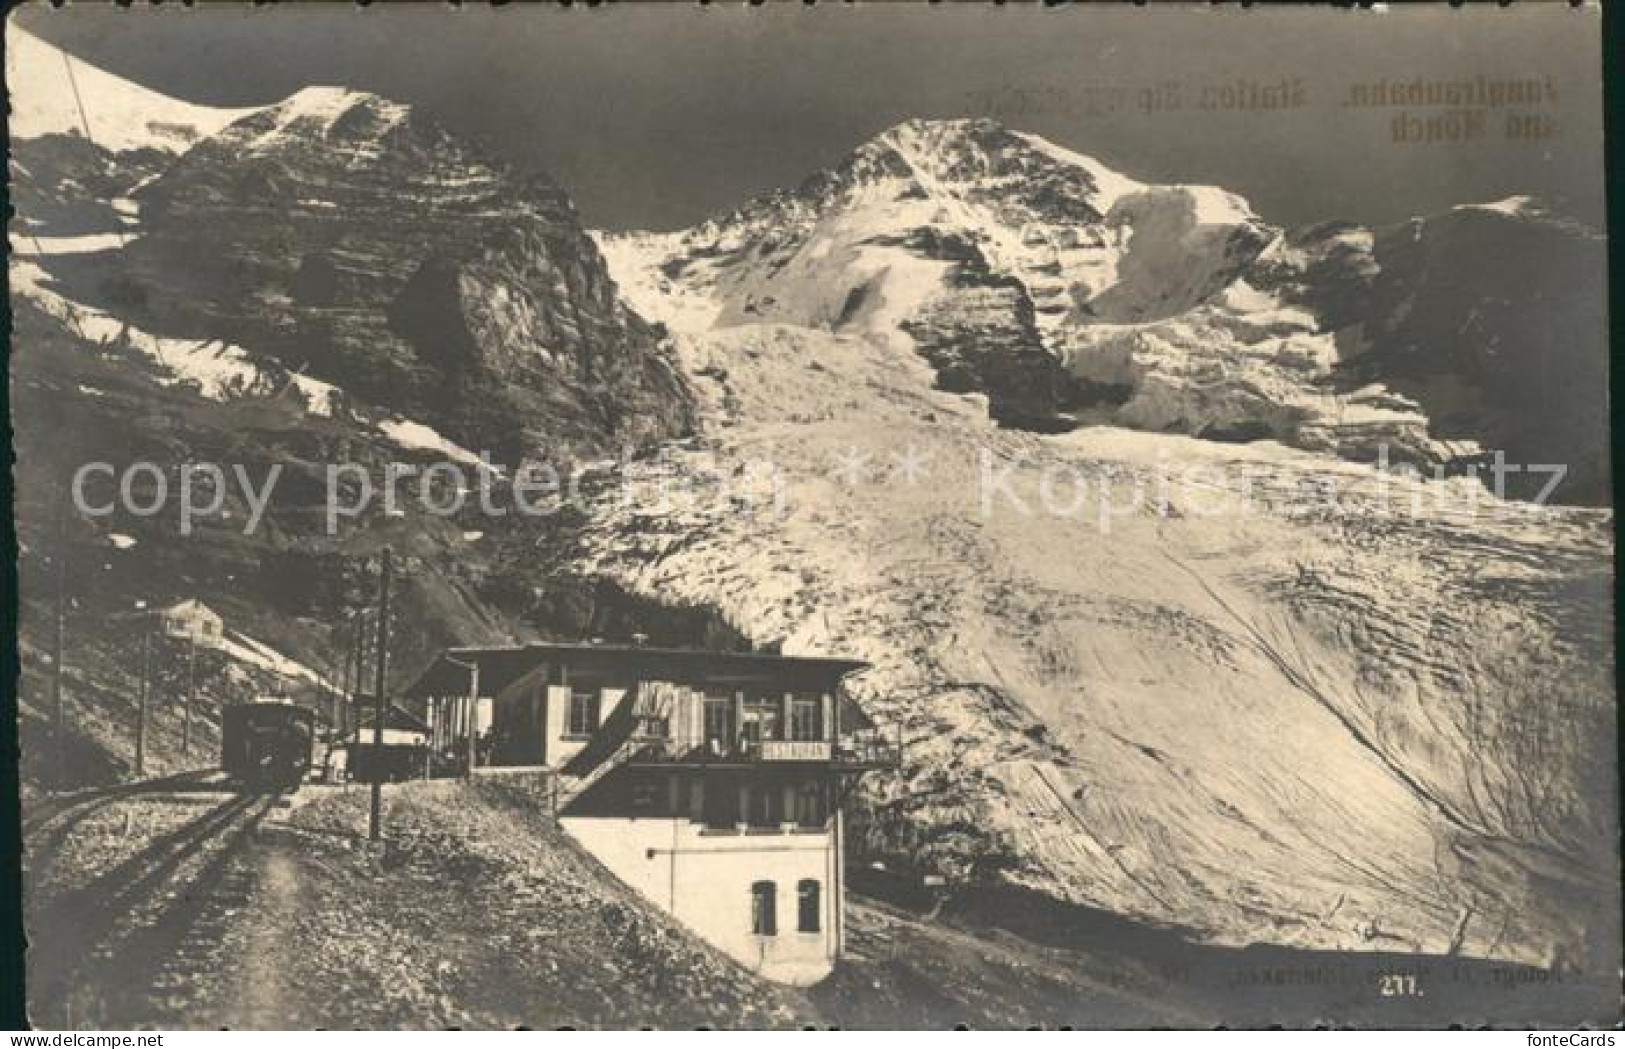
222	371
127	115
1267	719
1249	690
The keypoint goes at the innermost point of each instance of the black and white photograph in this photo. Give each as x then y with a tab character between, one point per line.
838	516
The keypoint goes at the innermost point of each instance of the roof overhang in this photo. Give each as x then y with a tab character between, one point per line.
449	674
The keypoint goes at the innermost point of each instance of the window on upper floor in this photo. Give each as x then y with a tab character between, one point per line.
719	804
764	907
644	795
583	719
807	717
719	720
810	805
762	718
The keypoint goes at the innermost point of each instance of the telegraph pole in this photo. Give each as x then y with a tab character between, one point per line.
333	685
357	669
473	715
59	718
141	707
374	823
191	682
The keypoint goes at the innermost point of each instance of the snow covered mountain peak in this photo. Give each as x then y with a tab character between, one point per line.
319	109
1068	292
962	151
325	104
974	245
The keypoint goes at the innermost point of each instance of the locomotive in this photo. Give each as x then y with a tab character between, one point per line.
267	745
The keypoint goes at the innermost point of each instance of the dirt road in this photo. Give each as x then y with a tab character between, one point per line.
178	904
183	905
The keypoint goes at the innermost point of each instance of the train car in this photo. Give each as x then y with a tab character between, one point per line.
267	746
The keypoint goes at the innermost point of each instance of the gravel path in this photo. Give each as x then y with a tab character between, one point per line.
183	905
199	908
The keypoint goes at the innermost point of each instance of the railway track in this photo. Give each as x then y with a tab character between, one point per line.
123	885
44	810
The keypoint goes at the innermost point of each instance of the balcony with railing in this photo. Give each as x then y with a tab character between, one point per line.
861	750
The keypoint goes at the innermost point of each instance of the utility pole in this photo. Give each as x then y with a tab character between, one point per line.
358	654
59	718
191	682
473	715
141	707
333	685
374	823
346	682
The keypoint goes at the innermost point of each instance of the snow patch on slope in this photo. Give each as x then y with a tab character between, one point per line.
313	112
218	370
417	436
122	115
1514	206
244	649
1111	186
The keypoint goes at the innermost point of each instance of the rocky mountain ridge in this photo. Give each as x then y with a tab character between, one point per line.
1067	292
340	235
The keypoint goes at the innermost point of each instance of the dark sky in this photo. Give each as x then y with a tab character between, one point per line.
656	116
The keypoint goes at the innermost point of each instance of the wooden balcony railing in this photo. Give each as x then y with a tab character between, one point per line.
869	748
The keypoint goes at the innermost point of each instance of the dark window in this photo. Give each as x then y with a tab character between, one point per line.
807	909
807	718
764	907
810	805
583	713
719	717
721	805
643	795
762	715
764	806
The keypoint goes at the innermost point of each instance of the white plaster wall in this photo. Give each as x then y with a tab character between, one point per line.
704	881
559	750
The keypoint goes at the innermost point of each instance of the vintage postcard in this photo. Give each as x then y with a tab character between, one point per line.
860	516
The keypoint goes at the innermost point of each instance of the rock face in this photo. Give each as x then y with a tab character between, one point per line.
1490	317
1067	292
344	235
